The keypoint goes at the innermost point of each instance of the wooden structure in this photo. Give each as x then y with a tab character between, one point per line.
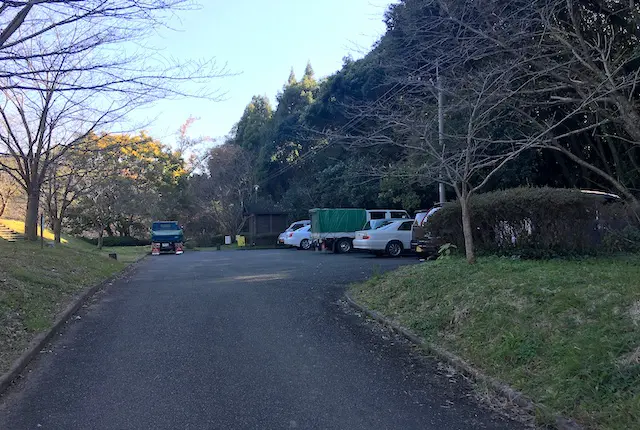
263	226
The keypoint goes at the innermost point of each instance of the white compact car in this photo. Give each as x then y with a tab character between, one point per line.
300	238
293	227
391	239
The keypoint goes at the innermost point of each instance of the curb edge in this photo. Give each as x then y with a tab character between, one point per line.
19	364
501	388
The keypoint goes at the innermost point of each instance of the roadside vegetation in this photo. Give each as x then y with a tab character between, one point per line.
37	284
522	96
564	332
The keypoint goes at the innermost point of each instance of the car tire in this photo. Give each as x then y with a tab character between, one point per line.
343	246
394	248
305	245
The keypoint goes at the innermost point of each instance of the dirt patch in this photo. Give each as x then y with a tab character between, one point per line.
630	359
634	313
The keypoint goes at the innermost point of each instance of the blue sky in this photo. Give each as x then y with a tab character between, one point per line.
260	40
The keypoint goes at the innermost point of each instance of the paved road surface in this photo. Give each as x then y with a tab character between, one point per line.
237	340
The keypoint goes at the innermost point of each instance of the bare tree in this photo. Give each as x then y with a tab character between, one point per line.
229	187
8	190
50	103
102	204
192	148
40	125
81	170
584	60
481	135
451	109
96	24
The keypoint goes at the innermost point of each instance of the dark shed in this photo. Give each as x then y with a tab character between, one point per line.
264	225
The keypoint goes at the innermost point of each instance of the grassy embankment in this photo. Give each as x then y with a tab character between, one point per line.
37	284
566	333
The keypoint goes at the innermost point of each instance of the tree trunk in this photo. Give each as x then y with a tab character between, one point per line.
467	229
123	228
100	235
57	230
3	205
31	219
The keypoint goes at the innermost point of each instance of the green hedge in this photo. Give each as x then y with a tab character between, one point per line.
207	240
120	241
204	240
541	223
269	239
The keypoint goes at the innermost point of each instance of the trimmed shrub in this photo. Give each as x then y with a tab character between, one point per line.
119	241
210	241
205	240
538	223
622	232
267	239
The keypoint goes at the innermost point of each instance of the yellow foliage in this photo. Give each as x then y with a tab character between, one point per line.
141	149
18	227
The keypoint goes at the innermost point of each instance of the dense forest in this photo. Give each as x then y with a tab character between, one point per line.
538	93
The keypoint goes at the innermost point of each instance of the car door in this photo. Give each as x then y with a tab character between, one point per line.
404	234
381	236
304	233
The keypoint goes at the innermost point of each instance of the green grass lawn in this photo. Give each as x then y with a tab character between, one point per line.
37	284
126	254
566	333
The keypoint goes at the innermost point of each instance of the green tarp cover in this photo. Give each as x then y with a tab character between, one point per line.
337	220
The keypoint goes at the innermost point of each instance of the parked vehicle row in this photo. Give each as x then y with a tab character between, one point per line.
379	231
335	229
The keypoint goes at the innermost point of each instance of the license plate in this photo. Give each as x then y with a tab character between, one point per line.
165	245
418	249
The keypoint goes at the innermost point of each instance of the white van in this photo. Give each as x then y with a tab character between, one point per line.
386	214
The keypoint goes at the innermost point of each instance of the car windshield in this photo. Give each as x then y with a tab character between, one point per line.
388	225
371	225
165	226
431	212
420	217
423	217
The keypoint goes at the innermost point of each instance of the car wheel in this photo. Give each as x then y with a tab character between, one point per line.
305	244
394	248
343	246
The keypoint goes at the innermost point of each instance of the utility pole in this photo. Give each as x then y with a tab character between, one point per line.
441	189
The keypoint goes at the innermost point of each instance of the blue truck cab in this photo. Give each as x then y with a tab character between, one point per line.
166	236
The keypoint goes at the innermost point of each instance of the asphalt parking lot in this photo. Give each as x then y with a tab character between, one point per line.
238	340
